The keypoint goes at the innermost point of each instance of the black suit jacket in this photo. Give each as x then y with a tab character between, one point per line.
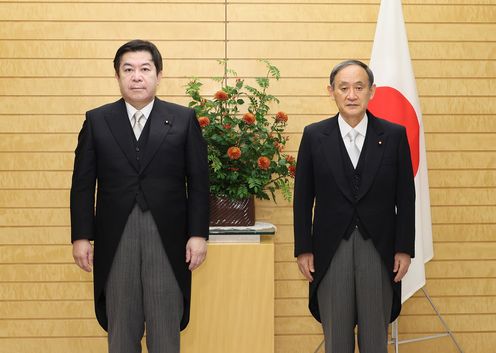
172	175
324	204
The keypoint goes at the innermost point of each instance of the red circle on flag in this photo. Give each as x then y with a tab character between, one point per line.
388	103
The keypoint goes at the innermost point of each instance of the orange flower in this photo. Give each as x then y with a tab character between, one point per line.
233	152
281	117
221	96
290	159
263	163
204	121
249	118
292	170
227	126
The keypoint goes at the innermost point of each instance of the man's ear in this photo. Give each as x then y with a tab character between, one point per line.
372	91
331	91
159	77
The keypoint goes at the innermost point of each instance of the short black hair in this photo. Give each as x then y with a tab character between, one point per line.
347	63
138	45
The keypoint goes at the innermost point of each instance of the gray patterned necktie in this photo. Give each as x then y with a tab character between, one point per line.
353	150
137	120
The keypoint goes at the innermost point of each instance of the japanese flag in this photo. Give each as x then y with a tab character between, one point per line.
396	99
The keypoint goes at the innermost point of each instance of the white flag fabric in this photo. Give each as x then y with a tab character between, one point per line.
396	99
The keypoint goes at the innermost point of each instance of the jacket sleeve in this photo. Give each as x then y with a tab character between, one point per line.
304	196
82	198
197	180
405	200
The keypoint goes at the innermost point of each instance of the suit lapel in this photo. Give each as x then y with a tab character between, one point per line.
160	124
119	124
330	143
374	145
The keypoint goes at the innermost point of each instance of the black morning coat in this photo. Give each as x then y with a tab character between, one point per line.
385	203
172	175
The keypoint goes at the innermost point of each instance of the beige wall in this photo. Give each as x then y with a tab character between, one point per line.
55	63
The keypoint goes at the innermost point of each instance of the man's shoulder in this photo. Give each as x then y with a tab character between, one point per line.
322	125
387	125
173	107
105	108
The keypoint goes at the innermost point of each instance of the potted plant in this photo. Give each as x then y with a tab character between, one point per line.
245	145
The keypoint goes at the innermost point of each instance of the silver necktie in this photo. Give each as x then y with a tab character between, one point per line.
353	150
138	119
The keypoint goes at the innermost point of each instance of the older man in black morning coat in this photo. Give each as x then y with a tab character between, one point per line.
354	215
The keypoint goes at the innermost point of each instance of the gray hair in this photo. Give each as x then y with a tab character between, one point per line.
347	63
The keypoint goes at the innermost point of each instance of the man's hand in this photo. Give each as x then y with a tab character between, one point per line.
401	263
305	263
82	251
196	252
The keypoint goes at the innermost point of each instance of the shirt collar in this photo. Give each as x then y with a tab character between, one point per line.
361	128
146	110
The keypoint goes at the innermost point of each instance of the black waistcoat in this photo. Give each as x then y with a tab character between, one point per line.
353	175
139	147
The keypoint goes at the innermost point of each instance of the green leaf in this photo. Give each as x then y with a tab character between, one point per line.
262	82
231	72
285	190
273	71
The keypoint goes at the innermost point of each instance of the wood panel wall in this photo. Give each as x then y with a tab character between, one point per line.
56	63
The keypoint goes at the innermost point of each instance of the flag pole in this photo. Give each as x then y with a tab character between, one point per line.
395	340
319	346
394	330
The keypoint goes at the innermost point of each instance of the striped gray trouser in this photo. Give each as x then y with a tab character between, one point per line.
356	290
141	288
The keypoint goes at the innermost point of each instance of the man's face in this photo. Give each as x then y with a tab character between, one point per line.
351	92
138	78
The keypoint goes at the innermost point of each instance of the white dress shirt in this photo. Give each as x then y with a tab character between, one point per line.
361	128
146	110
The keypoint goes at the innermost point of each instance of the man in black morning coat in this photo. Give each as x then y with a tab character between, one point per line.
354	215
149	161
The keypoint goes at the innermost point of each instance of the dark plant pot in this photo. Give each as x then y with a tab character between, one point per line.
229	212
